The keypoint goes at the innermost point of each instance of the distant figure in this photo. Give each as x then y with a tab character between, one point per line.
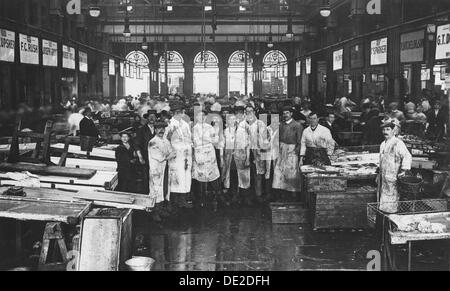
330	123
126	161
393	112
88	132
372	134
437	118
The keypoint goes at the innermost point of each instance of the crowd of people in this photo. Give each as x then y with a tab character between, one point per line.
209	152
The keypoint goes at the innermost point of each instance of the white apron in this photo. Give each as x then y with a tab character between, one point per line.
394	156
287	174
180	168
205	167
158	151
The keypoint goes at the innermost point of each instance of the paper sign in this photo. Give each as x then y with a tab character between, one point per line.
7	45
443	42
379	52
49	53
68	57
338	59
83	61
29	49
308	65
112	67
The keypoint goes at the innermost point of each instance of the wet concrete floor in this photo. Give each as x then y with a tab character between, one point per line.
246	239
240	239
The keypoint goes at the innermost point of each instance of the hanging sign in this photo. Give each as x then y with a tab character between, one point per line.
308	65
29	49
425	74
49	53
112	67
7	45
298	68
357	56
378	52
412	46
338	59
68	60
122	69
443	42
83	63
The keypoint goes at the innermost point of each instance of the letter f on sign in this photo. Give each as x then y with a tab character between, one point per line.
73	7
374	7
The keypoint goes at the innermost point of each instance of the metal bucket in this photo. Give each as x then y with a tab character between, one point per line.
140	264
410	188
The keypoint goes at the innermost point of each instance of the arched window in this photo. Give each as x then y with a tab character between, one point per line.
174	59
274	58
237	59
206	59
236	74
137	73
275	73
175	73
206	73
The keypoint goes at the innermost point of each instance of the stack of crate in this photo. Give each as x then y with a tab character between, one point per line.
333	205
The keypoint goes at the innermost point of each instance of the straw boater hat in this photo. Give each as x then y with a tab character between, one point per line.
391	122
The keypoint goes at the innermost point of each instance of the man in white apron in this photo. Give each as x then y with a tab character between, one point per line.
205	169
259	144
180	169
236	157
159	152
395	160
287	176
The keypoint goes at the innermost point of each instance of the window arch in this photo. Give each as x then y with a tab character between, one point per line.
174	59
237	59
274	57
206	58
138	58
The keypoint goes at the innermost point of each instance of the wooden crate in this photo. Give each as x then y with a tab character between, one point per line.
289	213
325	183
342	210
106	240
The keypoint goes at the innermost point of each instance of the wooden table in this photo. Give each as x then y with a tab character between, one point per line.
53	213
396	237
100	181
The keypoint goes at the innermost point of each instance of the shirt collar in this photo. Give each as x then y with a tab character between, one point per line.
289	121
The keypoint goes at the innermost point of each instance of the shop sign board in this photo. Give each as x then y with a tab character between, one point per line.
357	56
338	57
379	51
83	57
443	42
7	45
412	46
112	67
68	60
29	49
49	53
308	65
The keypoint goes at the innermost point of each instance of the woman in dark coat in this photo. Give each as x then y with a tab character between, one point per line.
126	164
